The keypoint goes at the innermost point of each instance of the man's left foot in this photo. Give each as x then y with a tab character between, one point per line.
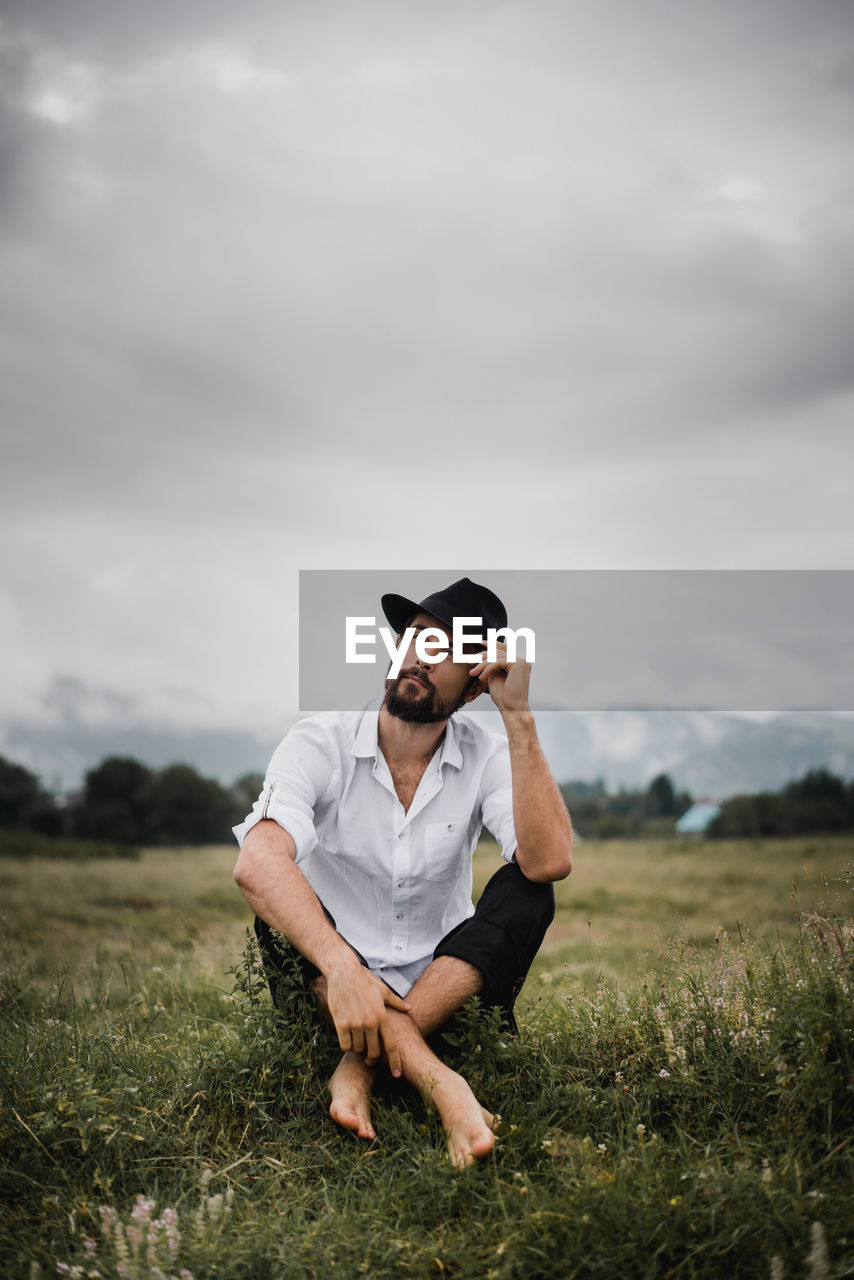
469	1127
350	1090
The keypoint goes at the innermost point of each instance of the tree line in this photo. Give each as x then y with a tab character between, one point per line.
818	803
602	815
128	803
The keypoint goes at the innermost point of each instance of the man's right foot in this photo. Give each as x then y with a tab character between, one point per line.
350	1090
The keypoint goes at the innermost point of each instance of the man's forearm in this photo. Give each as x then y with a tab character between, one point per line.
543	828
279	893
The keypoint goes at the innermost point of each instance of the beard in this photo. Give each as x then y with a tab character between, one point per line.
414	707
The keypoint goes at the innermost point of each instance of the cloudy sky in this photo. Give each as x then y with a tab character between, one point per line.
283	286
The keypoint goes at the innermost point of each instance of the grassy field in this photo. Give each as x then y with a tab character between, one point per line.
624	905
679	1102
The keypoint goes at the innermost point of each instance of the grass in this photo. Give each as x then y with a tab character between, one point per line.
29	844
679	1102
625	902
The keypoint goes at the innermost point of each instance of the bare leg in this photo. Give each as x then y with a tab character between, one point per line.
468	1125
443	988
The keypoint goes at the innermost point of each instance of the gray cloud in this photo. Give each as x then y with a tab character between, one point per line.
291	286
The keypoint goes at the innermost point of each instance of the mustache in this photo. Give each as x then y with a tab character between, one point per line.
416	674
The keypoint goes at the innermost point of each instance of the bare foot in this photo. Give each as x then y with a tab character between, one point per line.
470	1128
350	1090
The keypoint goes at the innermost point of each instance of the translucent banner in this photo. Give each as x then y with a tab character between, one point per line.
718	640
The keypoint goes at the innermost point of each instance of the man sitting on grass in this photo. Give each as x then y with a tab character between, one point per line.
359	853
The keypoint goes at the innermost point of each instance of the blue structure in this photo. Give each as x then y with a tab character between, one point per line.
695	821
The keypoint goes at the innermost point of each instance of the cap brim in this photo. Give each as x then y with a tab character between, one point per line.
399	610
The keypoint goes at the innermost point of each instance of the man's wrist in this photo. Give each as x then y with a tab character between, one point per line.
519	720
340	963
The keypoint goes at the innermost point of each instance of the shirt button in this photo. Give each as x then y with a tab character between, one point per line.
401	884
398	948
399	915
400	837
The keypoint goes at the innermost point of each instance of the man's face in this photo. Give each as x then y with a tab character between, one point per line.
427	692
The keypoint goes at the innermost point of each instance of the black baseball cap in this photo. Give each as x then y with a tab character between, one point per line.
462	599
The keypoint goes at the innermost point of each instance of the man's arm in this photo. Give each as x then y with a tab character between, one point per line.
279	893
543	828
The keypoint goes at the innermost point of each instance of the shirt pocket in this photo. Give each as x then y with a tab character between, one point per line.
354	848
446	848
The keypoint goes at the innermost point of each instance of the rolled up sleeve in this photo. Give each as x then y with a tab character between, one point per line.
496	801
302	771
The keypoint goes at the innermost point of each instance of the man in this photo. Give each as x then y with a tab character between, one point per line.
359	851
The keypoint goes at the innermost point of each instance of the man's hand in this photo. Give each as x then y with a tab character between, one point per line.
543	828
358	1004
508	682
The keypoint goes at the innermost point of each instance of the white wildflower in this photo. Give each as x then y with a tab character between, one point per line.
817	1256
215	1206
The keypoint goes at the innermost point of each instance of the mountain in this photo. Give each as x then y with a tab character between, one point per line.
62	753
707	753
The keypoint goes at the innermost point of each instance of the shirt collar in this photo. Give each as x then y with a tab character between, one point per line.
451	753
365	743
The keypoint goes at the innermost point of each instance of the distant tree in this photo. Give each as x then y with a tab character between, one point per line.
21	796
661	798
52	819
245	790
816	802
185	808
749	815
114	803
578	789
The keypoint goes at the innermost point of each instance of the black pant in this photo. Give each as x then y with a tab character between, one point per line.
500	940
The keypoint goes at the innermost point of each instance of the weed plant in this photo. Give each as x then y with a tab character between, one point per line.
698	1126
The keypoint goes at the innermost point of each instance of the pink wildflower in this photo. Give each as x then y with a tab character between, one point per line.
142	1209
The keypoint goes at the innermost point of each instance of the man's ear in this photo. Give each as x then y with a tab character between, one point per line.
475	689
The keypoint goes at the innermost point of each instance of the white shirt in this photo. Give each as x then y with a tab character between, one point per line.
395	882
